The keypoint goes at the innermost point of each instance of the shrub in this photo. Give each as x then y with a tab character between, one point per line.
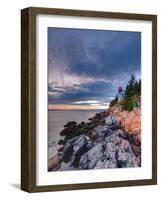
129	103
114	101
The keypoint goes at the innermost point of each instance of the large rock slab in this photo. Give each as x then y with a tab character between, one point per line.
89	159
73	150
101	143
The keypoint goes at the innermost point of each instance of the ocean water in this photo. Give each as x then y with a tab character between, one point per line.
56	121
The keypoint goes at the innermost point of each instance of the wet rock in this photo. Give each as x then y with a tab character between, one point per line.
67	153
61	142
70	123
69	128
90	119
91	125
60	154
79	142
60	149
79	148
68	150
73	150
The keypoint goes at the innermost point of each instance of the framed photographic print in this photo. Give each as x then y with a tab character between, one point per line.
88	99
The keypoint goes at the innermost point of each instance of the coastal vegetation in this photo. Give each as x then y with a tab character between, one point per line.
110	139
131	95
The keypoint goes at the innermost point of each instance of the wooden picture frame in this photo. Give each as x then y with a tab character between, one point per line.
28	98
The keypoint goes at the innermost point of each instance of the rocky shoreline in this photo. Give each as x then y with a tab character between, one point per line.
105	141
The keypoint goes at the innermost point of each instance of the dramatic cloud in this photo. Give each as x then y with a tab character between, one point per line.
87	66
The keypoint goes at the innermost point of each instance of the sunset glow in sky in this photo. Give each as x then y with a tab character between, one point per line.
85	67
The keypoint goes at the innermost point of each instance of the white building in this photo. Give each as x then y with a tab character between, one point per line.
120	93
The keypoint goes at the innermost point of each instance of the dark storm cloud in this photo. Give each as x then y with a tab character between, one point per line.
111	59
68	50
99	90
92	57
110	55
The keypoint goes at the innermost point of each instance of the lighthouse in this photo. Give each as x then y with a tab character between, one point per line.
120	93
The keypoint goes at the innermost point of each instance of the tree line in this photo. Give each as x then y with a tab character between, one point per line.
132	91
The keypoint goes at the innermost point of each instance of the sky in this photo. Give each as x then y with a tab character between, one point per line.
86	67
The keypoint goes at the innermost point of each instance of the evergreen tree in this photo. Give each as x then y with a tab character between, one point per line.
136	88
132	90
